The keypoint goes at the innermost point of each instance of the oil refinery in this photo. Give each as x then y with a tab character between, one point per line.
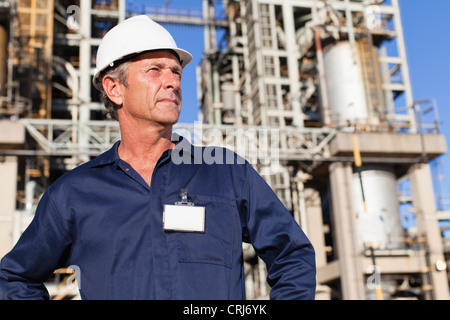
319	88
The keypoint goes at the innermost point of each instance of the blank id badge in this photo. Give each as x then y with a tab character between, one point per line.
184	216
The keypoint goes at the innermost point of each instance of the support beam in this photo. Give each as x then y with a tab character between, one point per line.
427	225
314	223
8	188
12	135
346	237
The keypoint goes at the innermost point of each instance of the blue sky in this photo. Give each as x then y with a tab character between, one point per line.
190	39
426	27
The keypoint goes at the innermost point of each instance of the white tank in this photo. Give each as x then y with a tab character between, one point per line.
380	224
228	96
345	86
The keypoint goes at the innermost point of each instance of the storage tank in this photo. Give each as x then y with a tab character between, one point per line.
345	85
380	223
228	96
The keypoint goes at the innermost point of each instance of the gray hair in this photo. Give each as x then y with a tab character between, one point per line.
119	73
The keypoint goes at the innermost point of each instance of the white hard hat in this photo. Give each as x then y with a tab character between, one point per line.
131	36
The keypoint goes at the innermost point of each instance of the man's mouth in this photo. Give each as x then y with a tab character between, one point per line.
169	100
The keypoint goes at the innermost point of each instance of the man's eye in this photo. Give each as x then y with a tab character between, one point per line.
153	70
178	74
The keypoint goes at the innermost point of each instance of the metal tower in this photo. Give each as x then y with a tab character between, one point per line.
315	93
332	77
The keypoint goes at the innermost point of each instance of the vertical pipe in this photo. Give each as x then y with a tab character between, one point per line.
351	32
302	206
207	43
85	75
13	16
322	79
237	98
122	9
378	290
295	201
206	27
49	60
3	59
358	164
217	105
293	68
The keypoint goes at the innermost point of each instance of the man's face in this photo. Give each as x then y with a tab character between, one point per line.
153	93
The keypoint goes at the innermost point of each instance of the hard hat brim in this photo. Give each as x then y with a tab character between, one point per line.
184	59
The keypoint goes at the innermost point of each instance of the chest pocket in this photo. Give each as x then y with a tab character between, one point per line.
215	245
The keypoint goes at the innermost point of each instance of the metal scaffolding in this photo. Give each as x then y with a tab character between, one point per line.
334	65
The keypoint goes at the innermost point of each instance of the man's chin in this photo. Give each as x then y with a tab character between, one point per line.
168	122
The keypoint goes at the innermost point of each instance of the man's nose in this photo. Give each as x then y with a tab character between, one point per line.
171	80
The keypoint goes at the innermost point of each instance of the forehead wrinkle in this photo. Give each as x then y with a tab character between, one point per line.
156	62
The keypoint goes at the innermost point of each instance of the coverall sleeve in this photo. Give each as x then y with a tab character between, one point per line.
39	251
278	240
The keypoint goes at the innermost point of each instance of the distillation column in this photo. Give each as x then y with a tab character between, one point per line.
364	199
373	188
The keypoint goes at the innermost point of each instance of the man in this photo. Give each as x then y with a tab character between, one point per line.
139	225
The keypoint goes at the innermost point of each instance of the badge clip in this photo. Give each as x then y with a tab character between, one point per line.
184	199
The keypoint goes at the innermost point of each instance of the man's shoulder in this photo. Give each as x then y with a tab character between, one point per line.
74	175
79	175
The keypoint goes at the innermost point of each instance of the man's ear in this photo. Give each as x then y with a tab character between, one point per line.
113	89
